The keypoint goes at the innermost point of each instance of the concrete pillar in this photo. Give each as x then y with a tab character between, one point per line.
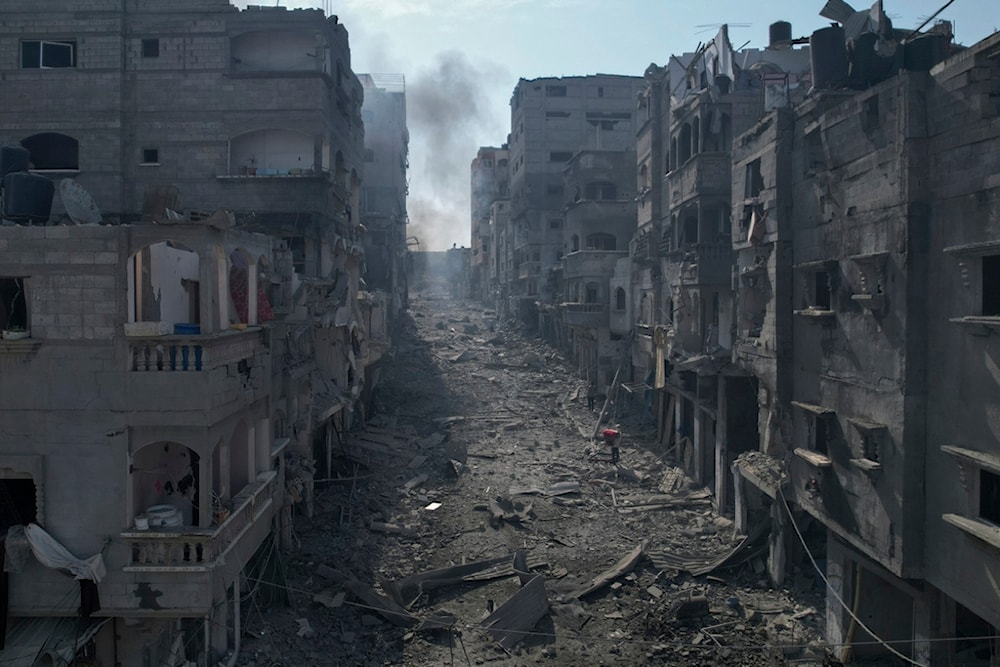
698	439
721	448
205	474
839	579
262	446
923	628
252	293
777	553
739	487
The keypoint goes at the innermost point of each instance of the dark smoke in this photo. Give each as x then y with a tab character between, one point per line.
449	114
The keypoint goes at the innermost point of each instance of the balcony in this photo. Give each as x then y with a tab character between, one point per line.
529	269
181	354
190	549
591	263
585	315
702	174
707	263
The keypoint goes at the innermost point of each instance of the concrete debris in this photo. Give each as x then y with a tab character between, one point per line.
622	567
503	511
512	620
305	630
694	607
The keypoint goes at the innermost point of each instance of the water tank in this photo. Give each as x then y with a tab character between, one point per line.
780	34
925	52
13	158
27	197
828	57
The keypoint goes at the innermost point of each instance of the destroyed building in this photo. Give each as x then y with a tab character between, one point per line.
490	175
864	236
598	223
551	120
186	331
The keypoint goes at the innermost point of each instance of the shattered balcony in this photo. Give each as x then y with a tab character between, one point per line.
702	174
597	264
585	315
706	263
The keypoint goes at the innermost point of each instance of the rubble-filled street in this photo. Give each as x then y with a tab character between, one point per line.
476	520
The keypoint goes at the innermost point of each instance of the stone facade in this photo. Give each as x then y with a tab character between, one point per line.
205	347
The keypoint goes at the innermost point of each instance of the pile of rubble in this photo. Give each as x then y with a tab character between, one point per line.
477	521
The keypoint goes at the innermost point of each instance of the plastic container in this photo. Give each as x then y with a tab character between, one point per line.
187	329
142	522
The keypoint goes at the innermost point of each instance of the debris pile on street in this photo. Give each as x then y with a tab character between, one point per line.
477	522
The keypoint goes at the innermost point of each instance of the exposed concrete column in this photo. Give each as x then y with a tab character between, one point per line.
923	629
838	576
721	449
739	491
205	475
262	445
698	446
777	553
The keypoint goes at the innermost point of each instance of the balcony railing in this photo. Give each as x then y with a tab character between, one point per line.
702	174
192	353
191	548
587	315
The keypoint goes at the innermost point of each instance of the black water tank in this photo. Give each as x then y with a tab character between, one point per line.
925	52
27	197
13	158
780	34
828	56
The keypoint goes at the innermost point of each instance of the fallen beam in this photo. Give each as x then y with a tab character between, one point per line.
515	618
622	567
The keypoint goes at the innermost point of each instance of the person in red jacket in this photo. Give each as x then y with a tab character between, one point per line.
612	437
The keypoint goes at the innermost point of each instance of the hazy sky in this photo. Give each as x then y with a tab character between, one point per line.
462	59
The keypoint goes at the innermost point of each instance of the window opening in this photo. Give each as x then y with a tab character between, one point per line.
555	91
991	286
150	156
50	150
619	299
754	180
18	503
822	291
989	496
13	304
560	156
151	48
37	54
821	435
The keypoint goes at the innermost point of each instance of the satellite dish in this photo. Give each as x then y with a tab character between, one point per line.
79	205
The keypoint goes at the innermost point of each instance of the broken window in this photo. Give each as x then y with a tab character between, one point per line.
991	286
619	299
557	114
150	156
555	91
36	54
151	48
51	150
13	304
591	293
19	504
560	156
754	181
821	291
989	496
821	435
600	190
601	241
297	246
815	157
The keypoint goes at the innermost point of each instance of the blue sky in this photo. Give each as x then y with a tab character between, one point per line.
462	58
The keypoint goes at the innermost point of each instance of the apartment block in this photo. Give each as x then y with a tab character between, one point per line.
551	120
182	365
490	174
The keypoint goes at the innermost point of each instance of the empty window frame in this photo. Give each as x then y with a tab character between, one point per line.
991	286
821	291
754	181
619	298
150	156
55	54
560	156
13	304
151	48
53	151
989	496
555	91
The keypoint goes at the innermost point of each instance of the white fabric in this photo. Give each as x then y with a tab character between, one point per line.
54	555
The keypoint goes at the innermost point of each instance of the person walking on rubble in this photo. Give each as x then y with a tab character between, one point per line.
591	394
612	440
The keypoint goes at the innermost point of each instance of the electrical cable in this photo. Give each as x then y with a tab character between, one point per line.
833	591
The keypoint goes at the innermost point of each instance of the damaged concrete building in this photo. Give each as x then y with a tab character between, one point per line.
176	369
551	120
490	175
865	233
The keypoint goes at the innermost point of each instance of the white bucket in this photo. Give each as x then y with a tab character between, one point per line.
141	522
